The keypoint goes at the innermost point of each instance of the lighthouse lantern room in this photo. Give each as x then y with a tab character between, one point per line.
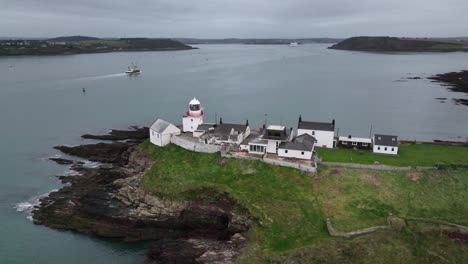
193	117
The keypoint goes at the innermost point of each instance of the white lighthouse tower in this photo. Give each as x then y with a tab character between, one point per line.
193	117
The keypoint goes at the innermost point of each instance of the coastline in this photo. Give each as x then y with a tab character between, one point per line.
108	201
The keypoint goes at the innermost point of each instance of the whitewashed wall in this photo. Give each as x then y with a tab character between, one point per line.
195	146
297	154
324	138
383	151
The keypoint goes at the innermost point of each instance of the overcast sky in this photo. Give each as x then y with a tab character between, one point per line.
233	18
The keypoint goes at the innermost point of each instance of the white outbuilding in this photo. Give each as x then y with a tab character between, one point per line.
302	147
161	132
385	144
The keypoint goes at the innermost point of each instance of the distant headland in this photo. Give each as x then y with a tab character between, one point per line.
84	44
393	44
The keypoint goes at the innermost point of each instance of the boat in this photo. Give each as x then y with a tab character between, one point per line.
293	44
133	69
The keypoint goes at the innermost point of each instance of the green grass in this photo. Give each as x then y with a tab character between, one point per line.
408	155
289	207
281	199
449	46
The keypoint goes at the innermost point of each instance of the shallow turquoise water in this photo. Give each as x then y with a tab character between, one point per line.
42	105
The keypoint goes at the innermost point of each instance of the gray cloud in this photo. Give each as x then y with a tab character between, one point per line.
233	18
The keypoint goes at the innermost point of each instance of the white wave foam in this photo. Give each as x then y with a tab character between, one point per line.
28	206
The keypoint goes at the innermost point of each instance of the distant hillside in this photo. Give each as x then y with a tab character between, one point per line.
81	44
72	38
392	44
260	41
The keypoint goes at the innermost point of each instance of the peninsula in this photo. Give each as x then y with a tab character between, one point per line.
83	44
393	44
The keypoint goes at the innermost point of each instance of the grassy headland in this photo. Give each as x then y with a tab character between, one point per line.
289	207
392	44
408	155
82	44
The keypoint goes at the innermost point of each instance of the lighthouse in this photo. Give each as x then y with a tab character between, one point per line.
193	117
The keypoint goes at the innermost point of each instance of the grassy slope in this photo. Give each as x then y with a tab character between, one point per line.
282	199
290	206
408	155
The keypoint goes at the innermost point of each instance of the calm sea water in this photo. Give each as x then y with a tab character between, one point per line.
42	105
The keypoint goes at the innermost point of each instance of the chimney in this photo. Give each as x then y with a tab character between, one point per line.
220	120
247	123
300	120
333	122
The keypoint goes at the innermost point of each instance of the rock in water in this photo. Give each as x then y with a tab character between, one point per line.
102	152
138	134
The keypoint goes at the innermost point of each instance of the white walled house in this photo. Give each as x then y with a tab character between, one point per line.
385	144
193	117
225	133
323	132
161	132
302	147
275	135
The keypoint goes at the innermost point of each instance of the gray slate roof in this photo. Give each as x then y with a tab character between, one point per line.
385	140
303	142
160	125
276	134
205	127
324	126
225	128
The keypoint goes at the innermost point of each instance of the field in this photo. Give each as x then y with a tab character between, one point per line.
408	155
289	207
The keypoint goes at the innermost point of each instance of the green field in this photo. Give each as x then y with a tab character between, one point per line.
289	207
408	155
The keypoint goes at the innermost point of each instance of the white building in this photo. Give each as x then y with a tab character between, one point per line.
323	132
193	117
355	142
225	133
161	132
269	141
385	144
302	147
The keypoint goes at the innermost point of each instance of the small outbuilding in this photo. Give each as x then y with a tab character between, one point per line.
161	132
385	144
302	147
355	142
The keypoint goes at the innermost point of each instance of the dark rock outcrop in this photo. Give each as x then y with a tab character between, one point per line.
108	201
455	81
136	135
65	161
102	152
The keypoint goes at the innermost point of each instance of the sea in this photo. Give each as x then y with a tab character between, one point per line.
42	104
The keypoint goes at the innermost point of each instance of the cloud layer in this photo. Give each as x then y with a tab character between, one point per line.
233	18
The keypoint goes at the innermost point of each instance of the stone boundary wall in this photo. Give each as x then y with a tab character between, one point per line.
333	232
368	166
283	163
194	146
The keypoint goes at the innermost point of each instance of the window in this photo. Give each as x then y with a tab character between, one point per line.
354	143
378	148
385	148
344	143
364	144
285	151
302	153
191	120
393	149
152	132
313	133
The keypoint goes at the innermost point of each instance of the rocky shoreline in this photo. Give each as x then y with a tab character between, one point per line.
108	201
456	82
